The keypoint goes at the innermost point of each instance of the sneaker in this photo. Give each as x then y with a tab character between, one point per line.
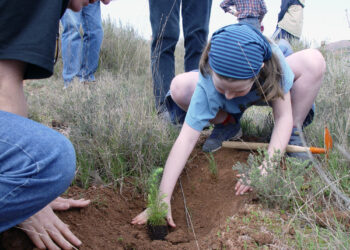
220	133
295	139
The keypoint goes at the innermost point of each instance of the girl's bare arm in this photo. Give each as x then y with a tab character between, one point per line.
282	111
177	159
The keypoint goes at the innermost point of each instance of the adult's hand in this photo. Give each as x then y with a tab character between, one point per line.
46	230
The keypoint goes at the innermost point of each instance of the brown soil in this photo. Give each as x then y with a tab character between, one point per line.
331	218
210	201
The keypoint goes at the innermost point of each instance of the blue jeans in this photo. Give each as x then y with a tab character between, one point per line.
254	21
285	47
282	34
80	58
37	164
164	17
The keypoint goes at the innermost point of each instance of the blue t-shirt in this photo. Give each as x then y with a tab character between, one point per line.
207	101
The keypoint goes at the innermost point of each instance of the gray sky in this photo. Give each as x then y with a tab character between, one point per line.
323	19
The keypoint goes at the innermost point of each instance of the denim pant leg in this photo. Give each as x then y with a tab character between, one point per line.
195	18
253	21
71	45
164	17
282	34
285	47
37	164
92	40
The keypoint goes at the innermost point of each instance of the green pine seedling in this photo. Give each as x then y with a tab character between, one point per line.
157	209
212	165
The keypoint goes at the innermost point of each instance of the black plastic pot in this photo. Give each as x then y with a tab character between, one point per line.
157	232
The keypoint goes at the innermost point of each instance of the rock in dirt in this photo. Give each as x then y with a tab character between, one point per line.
262	238
327	218
244	239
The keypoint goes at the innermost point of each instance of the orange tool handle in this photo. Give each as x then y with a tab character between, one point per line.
314	150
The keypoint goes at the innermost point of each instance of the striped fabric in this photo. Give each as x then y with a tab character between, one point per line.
238	51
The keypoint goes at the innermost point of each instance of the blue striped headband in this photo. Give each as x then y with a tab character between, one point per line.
238	51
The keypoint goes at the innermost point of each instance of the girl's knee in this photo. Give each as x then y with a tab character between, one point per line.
176	88
183	85
317	63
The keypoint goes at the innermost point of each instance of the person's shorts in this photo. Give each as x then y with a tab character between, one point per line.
28	33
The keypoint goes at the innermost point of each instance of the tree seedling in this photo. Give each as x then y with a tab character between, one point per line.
157	209
212	165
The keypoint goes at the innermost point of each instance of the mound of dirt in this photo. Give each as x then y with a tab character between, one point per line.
210	202
339	45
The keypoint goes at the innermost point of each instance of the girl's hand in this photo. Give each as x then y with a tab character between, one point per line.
142	218
240	188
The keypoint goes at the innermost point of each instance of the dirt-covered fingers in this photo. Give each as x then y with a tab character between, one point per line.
140	218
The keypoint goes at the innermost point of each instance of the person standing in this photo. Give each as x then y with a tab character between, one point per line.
80	55
165	19
246	11
290	20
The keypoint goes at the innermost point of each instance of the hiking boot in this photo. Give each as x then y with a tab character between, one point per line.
295	139
220	133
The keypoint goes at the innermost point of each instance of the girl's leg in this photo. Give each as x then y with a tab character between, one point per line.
182	88
309	67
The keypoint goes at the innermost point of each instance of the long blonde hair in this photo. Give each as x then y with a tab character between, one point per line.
268	80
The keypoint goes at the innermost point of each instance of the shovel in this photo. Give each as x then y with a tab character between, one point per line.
328	144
